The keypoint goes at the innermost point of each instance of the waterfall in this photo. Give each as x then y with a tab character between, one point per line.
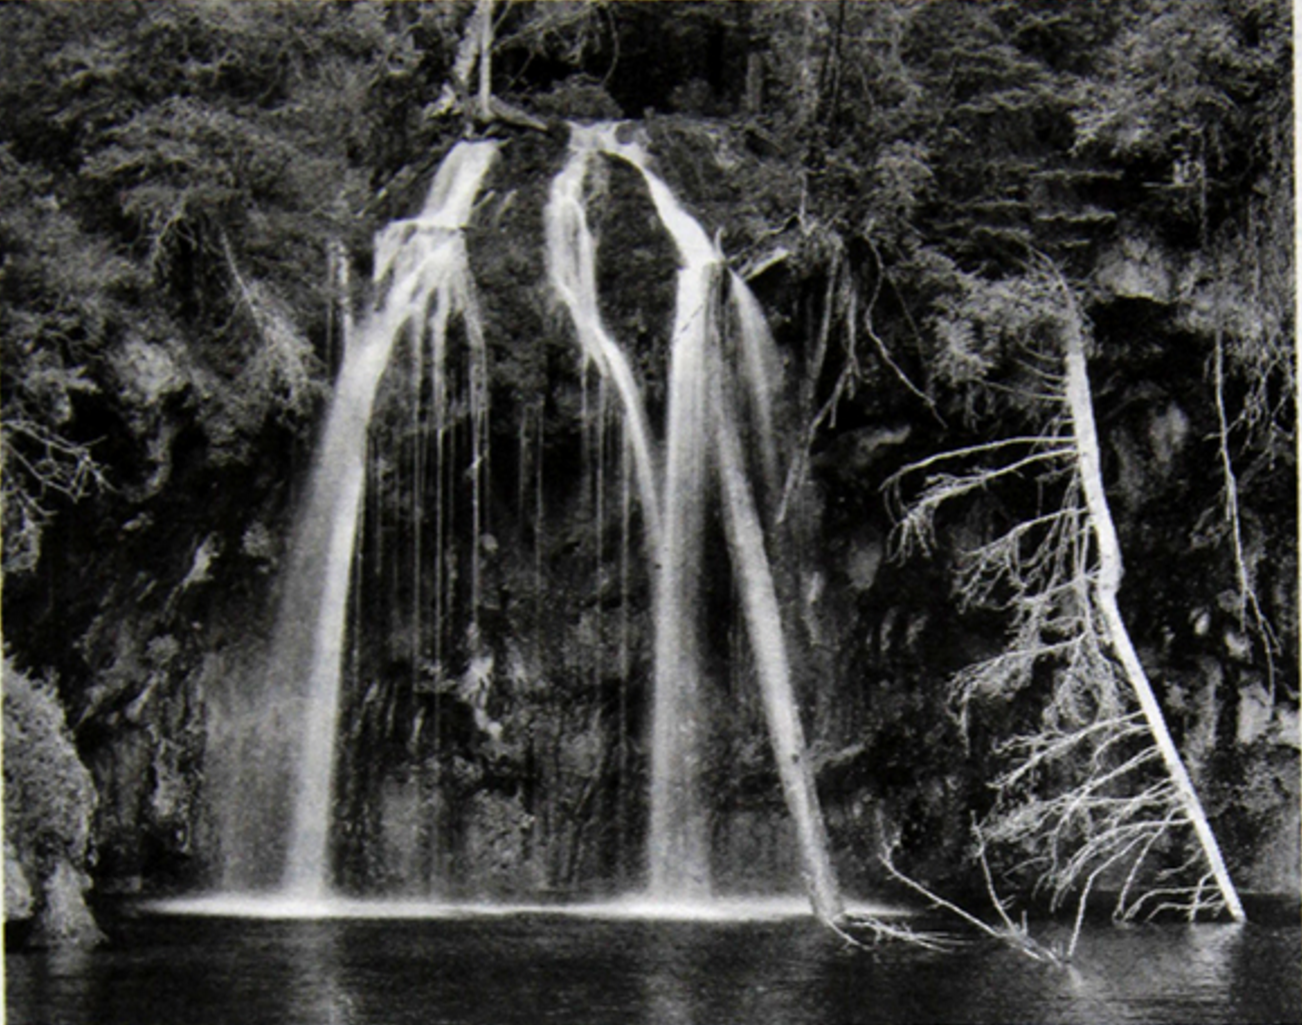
625	655
702	435
764	627
422	274
572	263
718	444
678	848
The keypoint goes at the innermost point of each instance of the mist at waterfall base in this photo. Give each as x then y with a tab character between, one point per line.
504	969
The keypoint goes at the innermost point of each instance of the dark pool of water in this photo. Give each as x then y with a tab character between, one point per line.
539	968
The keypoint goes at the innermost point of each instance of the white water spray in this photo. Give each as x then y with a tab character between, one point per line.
423	263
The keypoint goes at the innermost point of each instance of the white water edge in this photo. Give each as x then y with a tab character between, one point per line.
634	908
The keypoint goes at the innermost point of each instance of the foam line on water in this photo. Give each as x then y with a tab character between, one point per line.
281	907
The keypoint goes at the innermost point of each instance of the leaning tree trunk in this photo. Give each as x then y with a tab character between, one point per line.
1107	581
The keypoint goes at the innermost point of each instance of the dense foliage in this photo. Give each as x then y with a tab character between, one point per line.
180	183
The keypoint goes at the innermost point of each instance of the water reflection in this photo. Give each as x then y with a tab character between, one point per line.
1124	972
728	974
531	969
318	992
668	986
62	983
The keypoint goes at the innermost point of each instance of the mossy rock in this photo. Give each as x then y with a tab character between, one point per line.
49	800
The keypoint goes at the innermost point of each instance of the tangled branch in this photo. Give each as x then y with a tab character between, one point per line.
39	465
52	464
1016	935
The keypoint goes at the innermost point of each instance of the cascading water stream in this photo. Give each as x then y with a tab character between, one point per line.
423	261
764	628
701	433
571	263
678	845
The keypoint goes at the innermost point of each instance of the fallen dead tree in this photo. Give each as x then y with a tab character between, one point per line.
1095	793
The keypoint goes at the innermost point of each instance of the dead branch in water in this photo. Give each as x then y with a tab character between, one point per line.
847	924
1016	935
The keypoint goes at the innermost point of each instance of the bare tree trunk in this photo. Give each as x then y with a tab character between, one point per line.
468	49
754	83
1107	582
1243	576
476	46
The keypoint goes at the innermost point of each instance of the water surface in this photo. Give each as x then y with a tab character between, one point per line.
538	967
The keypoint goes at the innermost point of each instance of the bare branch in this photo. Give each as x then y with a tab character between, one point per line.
881	346
61	466
848	923
1246	593
1016	937
974	450
916	529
